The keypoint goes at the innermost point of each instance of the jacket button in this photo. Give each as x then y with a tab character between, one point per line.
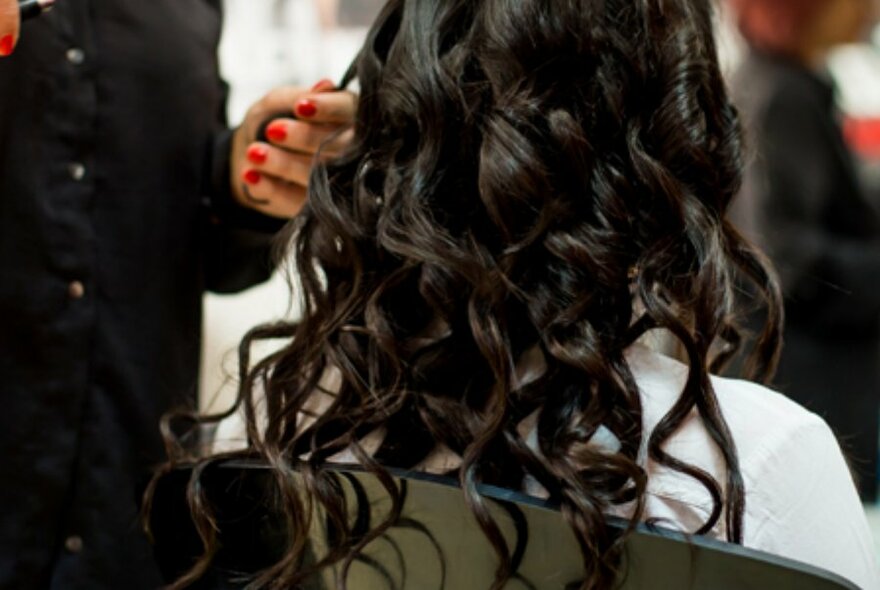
77	171
76	290
73	544
76	56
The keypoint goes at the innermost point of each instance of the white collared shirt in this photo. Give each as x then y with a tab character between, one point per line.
801	501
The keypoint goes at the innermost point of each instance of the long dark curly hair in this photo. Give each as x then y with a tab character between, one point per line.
528	178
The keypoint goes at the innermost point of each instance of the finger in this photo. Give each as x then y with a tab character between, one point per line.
273	196
326	107
279	163
307	138
9	26
338	105
325	85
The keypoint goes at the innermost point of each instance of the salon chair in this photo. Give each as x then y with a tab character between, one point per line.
436	543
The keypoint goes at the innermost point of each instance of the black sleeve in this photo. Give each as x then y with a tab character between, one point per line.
238	240
805	187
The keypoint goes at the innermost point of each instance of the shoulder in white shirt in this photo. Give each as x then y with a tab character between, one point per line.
801	502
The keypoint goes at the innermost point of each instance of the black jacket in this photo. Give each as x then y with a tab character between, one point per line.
803	203
114	218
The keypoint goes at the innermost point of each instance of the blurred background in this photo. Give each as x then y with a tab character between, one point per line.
272	42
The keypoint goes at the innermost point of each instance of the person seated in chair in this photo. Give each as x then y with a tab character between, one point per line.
534	188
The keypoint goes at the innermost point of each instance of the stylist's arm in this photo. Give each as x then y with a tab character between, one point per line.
272	176
9	24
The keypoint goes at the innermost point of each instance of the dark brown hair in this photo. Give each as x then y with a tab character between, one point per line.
526	175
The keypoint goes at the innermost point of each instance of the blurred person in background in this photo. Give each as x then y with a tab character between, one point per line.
122	198
803	203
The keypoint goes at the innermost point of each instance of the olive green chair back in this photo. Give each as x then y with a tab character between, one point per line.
437	544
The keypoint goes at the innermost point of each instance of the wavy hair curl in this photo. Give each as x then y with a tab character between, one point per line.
526	176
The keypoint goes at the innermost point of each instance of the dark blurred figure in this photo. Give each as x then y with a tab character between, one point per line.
121	202
803	203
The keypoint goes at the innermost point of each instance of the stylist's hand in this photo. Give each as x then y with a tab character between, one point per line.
9	24
272	176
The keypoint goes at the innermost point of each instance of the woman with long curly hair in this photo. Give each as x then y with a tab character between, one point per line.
534	185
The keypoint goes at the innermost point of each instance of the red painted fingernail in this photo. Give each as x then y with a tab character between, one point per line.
306	108
251	176
257	154
277	131
6	45
325	84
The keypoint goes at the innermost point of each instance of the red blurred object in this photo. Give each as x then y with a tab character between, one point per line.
863	136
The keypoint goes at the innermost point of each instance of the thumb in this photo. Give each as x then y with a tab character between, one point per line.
9	26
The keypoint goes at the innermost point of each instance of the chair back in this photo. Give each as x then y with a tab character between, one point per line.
437	544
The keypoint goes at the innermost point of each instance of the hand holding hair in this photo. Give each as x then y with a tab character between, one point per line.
273	150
